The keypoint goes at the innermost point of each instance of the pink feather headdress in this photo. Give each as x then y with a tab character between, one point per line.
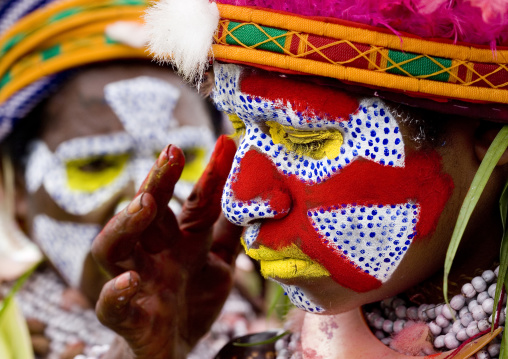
481	22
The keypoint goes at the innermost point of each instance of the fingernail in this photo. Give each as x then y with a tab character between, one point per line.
123	282
163	157
135	205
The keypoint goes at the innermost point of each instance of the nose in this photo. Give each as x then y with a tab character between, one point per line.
255	190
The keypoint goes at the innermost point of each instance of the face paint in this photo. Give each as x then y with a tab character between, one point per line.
355	211
66	244
84	173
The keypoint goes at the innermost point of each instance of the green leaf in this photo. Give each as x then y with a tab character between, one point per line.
264	342
492	156
15	288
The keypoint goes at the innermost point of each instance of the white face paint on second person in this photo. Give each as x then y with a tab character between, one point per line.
101	134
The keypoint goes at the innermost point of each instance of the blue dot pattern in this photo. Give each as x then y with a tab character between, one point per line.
373	238
370	133
300	299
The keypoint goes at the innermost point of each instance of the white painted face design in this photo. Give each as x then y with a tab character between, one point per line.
301	180
66	244
145	107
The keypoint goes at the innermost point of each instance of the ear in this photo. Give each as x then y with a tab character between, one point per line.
484	135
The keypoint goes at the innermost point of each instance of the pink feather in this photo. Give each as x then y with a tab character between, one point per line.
483	22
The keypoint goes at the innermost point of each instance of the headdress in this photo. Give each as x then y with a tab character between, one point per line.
40	40
445	55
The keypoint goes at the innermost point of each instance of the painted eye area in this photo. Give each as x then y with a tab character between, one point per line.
238	126
92	173
195	161
315	144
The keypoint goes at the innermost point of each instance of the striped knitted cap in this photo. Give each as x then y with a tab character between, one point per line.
42	40
449	56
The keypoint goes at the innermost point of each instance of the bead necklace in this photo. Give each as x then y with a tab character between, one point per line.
472	310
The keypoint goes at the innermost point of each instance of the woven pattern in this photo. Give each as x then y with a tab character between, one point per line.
62	36
257	42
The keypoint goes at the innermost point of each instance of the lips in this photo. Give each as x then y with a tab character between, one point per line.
362	183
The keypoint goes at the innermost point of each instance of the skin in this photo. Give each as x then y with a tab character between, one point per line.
465	142
79	110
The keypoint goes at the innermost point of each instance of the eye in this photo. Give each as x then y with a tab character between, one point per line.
315	144
90	174
238	126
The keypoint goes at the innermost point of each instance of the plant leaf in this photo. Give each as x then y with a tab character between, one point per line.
15	288
492	156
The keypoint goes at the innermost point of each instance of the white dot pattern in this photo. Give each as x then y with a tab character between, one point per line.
299	299
374	238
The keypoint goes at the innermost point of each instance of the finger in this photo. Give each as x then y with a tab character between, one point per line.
226	240
114	308
202	208
160	183
116	242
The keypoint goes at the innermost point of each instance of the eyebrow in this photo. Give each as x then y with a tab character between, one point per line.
303	96
88	146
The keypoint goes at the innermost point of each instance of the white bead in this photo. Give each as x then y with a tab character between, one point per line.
371	317
462	335
450	341
431	312
447	329
398	302
400	311
494	349
479	284
472	329
492	290
488	305
473	303
463	311
379	334
421	312
439	309
458	302
483	354
466	319
496	271
448	313
398	325
480	298
378	323
483	325
435	329
412	313
488	276
387	302
456	326
442	321
388	326
439	342
468	290
386	341
478	313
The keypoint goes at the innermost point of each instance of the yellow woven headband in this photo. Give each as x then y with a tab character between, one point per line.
361	55
62	36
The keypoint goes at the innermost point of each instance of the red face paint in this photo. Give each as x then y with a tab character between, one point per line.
362	183
303	97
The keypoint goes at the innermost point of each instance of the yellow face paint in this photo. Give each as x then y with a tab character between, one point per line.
289	262
90	174
315	144
238	126
194	164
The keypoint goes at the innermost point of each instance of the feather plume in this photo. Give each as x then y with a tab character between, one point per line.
181	33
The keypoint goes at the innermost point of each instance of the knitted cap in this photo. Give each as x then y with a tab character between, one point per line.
41	40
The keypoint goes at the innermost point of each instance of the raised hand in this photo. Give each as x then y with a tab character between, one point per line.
172	275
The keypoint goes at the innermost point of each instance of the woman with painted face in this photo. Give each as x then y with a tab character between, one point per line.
84	114
361	127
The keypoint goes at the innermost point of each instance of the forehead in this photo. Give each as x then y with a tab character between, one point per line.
79	109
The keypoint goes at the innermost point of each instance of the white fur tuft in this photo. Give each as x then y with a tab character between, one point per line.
181	32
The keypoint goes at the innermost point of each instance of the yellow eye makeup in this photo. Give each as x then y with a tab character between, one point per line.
194	164
90	174
315	144
238	126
